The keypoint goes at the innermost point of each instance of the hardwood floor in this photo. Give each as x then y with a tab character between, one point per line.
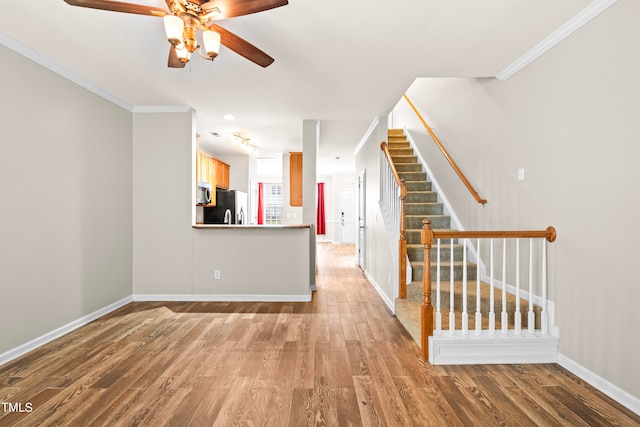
341	360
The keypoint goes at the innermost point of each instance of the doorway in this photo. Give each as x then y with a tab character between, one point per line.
362	210
348	216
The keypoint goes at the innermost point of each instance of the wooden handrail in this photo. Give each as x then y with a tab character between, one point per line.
385	149
549	233
402	242
429	235
453	164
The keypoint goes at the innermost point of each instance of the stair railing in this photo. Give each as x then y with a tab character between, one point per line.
536	294
446	154
393	194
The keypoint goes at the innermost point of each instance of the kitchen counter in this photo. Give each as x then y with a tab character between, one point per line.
251	227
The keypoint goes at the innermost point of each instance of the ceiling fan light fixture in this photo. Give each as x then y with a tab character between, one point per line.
211	43
183	54
174	27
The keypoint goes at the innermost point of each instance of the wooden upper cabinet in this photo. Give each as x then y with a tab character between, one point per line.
212	171
222	175
295	178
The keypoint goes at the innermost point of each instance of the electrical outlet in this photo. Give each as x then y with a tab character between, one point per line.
216	274
521	174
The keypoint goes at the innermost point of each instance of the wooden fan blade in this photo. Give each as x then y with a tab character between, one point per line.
117	6
242	47
231	8
174	61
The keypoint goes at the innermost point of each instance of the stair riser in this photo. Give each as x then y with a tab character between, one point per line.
423	208
408	167
436	222
418	185
417	253
401	151
421	197
445	272
404	159
413	176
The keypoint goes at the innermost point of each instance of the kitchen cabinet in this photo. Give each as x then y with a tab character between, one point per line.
222	175
213	171
295	178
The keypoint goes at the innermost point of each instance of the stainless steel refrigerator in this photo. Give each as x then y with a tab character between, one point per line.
230	208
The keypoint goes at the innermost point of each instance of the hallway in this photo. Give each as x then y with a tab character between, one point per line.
340	360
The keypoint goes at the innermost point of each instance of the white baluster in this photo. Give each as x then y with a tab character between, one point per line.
492	314
438	312
532	318
478	312
465	315
517	316
452	314
504	317
544	316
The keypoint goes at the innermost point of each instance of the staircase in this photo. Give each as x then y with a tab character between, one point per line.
422	203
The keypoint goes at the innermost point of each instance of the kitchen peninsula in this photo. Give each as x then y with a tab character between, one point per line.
252	262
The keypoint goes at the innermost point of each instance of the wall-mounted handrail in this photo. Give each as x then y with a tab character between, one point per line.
430	235
446	154
402	241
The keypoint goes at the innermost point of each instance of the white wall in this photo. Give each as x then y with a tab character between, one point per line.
65	219
173	260
570	120
379	265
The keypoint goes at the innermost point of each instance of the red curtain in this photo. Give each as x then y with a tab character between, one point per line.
320	220
260	203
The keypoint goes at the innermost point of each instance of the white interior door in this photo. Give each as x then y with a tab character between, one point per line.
347	216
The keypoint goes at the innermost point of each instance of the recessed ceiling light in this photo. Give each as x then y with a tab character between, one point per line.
216	134
229	117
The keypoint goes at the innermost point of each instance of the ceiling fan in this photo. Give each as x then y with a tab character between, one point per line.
185	17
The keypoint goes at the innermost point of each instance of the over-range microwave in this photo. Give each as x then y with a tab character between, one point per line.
204	193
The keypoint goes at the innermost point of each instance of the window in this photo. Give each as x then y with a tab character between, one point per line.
272	203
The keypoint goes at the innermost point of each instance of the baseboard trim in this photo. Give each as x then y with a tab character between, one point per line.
613	391
379	290
222	297
61	331
458	349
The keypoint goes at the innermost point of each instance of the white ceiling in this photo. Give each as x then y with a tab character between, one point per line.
343	62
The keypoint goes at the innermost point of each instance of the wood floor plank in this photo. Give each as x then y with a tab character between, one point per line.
340	360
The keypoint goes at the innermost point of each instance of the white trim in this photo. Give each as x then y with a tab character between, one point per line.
61	331
611	390
34	56
366	136
31	54
537	300
586	15
380	292
162	109
222	297
460	349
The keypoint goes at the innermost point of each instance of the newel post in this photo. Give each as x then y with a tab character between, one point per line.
402	244
426	329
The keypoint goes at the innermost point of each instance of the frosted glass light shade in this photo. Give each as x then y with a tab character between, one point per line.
211	43
174	27
183	54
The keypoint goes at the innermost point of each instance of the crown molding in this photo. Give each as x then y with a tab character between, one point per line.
34	56
590	12
366	135
162	109
31	54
